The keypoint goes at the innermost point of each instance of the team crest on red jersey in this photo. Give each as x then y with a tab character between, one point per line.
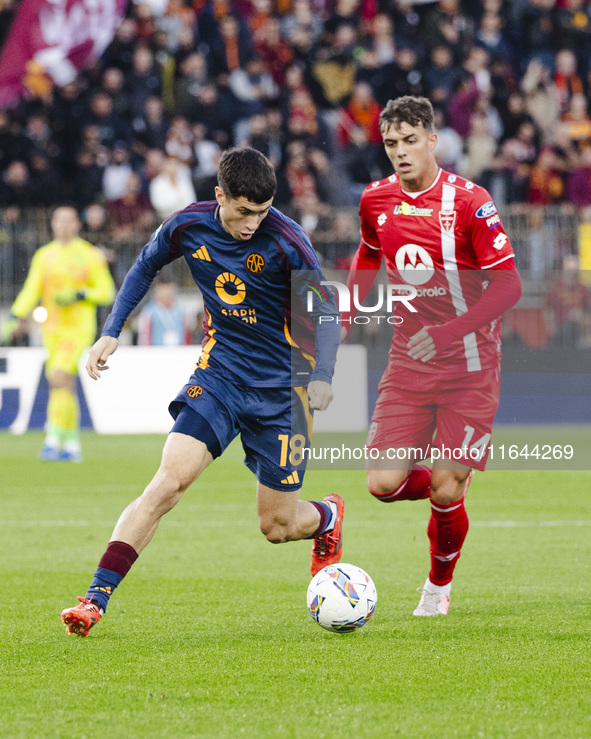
447	220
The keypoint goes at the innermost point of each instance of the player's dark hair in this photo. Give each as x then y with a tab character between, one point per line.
409	109
245	172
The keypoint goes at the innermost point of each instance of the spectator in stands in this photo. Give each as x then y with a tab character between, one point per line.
302	20
117	172
163	321
303	122
579	184
406	78
462	104
109	125
491	37
516	115
119	53
532	27
564	148
172	189
480	151
178	15
113	83
546	183
334	66
95	224
512	166
150	129
143	81
132	212
40	136
88	178
230	47
449	148
253	87
382	40
206	153
179	141
573	25
578	122
193	77
16	189
46	180
441	74
447	25
566	78
261	138
151	168
300	184
361	112
568	304
215	108
345	13
542	100
344	233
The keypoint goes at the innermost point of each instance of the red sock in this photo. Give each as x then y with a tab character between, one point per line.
417	486
447	530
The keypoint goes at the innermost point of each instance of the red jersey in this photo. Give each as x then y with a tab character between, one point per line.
438	240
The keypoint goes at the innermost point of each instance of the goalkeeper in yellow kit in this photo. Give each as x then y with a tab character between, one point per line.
70	277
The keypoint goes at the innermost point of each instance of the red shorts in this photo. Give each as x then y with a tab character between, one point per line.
439	415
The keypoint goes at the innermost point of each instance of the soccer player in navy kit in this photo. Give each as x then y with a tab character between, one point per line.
253	378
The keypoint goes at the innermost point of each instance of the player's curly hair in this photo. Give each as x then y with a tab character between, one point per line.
409	109
245	172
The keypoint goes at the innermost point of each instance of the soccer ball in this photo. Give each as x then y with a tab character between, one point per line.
341	598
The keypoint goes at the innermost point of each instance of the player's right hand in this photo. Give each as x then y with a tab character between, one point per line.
8	330
99	354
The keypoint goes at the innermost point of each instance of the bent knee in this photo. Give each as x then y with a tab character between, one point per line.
276	531
448	488
383	485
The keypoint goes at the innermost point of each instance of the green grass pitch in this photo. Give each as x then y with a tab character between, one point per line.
209	636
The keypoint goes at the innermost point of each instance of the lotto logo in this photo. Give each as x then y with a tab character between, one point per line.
500	241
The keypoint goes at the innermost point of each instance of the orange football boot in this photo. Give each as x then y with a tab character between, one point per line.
328	547
80	619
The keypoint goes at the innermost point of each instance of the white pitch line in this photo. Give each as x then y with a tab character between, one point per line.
61	523
56	489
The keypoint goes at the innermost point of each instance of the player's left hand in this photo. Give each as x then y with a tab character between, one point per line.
320	394
8	330
421	346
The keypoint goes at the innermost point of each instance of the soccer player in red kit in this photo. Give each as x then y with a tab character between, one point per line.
442	237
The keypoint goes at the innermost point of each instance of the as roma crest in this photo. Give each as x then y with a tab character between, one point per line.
447	220
255	263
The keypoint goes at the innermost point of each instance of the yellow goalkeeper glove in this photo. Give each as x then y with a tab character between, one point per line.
64	298
8	330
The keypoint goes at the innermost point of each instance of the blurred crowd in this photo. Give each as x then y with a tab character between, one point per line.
139	135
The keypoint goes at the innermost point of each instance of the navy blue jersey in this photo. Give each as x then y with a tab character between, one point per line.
254	330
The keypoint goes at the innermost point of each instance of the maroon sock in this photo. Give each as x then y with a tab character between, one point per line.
417	486
325	515
118	557
447	530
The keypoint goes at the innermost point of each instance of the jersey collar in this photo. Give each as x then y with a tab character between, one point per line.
422	192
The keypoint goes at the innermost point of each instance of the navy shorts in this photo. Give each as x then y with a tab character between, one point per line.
275	424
